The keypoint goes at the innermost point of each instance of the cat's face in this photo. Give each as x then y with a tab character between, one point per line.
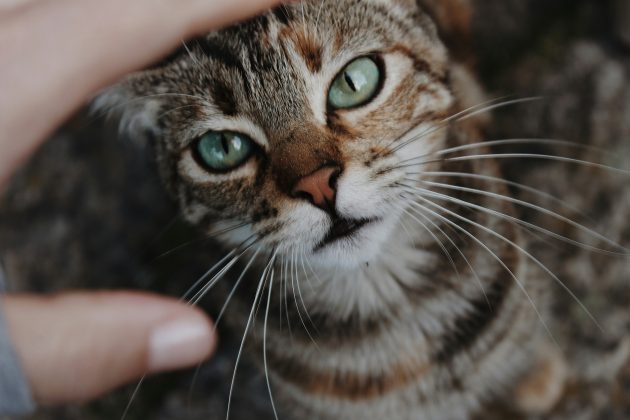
287	123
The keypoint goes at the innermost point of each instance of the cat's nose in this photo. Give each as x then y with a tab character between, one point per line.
320	188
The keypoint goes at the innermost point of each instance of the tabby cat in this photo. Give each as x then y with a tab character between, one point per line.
334	147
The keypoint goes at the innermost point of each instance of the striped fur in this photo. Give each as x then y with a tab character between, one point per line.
400	332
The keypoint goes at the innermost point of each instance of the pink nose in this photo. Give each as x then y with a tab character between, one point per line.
319	187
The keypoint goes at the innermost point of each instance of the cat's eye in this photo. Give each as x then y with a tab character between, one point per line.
223	151
356	85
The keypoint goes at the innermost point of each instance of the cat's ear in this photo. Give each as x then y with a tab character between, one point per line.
136	112
453	19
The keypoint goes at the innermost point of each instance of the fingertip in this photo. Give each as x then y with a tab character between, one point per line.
181	342
225	12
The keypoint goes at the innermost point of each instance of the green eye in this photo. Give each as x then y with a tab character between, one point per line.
224	151
356	85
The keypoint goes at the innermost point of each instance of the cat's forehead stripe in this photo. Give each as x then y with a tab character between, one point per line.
306	46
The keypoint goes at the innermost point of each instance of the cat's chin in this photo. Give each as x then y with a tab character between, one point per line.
363	246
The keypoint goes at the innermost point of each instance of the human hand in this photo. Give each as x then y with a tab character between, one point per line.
77	346
55	54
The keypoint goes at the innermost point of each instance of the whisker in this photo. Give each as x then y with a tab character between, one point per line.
133	397
210	272
526	141
313	272
509	142
523	251
286	299
194	302
282	259
475	110
494	256
294	280
273	404
472	270
500	105
220	317
406	230
308	279
190	54
247	327
301	298
518	221
210	284
438	241
543	210
516	185
236	285
441	125
210	236
522	156
165	229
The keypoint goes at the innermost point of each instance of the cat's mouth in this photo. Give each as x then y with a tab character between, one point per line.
343	229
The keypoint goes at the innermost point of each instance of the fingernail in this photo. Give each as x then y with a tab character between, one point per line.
179	344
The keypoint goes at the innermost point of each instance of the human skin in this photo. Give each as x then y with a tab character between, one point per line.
55	55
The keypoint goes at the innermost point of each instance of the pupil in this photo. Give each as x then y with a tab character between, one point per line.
225	144
349	81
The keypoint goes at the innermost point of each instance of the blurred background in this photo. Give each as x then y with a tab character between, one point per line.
88	211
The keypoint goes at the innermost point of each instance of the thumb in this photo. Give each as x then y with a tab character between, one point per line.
75	347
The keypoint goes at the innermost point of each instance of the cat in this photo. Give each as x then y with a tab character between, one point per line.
335	148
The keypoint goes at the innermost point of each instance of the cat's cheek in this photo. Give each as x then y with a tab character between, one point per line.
359	195
420	143
304	226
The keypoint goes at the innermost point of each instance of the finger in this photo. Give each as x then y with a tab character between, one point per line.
9	5
75	347
55	53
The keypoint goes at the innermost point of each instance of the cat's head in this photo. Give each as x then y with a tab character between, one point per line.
295	123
